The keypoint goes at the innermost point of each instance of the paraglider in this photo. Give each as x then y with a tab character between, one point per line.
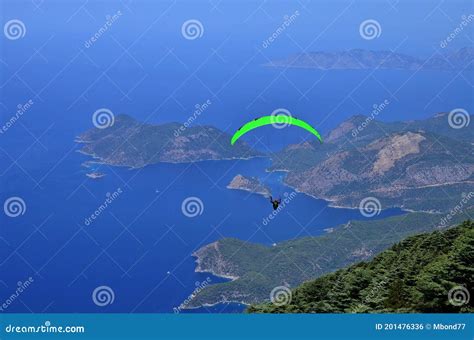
275	203
274	120
277	121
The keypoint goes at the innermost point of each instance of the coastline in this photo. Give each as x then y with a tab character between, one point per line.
198	262
261	193
249	184
217	303
198	269
223	276
332	203
101	161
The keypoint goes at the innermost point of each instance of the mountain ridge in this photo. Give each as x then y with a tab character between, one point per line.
246	264
396	162
426	273
133	144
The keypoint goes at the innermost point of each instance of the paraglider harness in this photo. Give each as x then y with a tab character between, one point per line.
275	203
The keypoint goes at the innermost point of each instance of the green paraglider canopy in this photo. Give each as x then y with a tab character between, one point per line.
274	120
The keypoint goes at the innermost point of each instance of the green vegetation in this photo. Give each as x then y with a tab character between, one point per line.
414	275
134	144
260	268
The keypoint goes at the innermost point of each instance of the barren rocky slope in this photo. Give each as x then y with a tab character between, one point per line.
419	165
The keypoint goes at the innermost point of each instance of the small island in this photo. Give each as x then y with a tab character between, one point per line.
251	184
95	175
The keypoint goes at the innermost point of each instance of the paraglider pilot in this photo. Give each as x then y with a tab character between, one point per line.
275	203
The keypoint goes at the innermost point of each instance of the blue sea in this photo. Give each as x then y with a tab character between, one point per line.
140	245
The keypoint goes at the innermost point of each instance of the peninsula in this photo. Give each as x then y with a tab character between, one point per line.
134	144
251	184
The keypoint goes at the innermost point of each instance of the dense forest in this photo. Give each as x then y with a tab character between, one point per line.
426	273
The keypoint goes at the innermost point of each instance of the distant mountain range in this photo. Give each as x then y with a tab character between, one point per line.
423	165
427	273
365	59
133	144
